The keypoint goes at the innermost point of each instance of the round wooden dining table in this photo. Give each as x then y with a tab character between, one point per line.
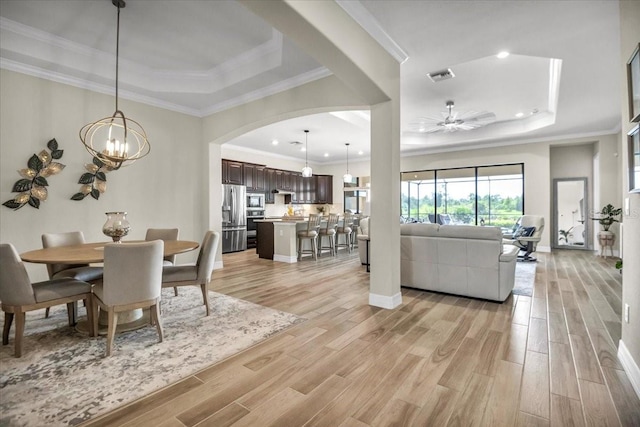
88	253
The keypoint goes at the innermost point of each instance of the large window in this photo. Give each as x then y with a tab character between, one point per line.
480	195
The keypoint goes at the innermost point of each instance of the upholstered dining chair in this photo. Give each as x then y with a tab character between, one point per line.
329	232
132	279
19	295
83	272
345	230
164	234
198	274
311	234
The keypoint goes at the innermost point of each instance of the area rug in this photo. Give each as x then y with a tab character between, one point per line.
63	377
525	277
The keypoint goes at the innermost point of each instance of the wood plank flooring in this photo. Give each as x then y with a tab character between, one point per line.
437	360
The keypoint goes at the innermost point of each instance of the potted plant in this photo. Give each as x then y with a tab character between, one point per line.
606	217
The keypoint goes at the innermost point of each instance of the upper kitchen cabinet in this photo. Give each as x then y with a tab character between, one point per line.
232	172
283	180
324	189
254	177
270	185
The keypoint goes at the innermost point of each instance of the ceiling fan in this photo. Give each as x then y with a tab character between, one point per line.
452	121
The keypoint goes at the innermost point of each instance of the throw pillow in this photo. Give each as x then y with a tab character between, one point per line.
525	232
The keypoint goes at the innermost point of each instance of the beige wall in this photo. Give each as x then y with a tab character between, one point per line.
630	36
160	190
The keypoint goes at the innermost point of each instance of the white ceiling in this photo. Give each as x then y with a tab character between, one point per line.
199	57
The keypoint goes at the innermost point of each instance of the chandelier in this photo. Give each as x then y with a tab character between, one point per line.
117	140
347	178
306	170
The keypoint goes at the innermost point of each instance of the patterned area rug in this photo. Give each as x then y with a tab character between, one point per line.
63	377
525	277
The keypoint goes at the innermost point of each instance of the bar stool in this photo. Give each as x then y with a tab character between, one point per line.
310	233
330	232
345	231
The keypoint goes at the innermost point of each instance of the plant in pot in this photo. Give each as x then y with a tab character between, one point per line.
606	218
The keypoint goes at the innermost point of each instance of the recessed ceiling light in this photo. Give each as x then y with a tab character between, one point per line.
361	152
326	154
518	115
275	142
303	149
502	55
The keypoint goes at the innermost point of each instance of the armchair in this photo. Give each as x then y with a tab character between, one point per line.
526	236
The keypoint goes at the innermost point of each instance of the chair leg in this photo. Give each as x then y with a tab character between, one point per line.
299	249
72	312
205	297
46	312
8	319
155	316
111	331
96	312
175	290
88	303
314	246
20	319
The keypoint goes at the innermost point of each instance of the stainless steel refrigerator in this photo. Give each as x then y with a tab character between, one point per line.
234	218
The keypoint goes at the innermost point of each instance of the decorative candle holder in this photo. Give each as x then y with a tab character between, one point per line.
116	226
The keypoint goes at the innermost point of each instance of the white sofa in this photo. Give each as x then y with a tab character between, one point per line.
457	259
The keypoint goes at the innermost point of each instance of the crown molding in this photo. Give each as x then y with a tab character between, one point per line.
361	15
30	70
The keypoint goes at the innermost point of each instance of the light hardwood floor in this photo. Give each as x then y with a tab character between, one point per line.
548	359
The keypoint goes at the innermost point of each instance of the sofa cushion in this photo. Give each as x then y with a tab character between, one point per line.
419	229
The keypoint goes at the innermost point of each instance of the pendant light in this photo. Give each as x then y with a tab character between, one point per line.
117	140
347	178
306	170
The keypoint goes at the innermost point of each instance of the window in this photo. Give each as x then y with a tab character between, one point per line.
479	195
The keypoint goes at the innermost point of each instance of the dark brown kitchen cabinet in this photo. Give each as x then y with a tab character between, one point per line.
232	172
254	177
270	185
324	189
283	180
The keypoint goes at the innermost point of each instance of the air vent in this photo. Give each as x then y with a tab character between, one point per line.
438	76
295	143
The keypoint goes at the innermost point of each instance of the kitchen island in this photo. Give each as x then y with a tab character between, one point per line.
277	238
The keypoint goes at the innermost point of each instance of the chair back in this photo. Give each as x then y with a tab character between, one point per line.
163	234
314	222
347	222
536	221
132	272
332	221
207	256
52	240
15	286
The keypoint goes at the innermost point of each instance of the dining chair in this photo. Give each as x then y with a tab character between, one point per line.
164	234
311	234
83	272
198	274
19	295
345	230
329	231
132	279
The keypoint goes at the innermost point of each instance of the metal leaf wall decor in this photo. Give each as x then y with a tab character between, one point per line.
32	188
94	181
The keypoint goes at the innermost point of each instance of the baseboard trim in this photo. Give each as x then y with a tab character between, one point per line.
546	249
384	301
218	265
630	367
284	258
